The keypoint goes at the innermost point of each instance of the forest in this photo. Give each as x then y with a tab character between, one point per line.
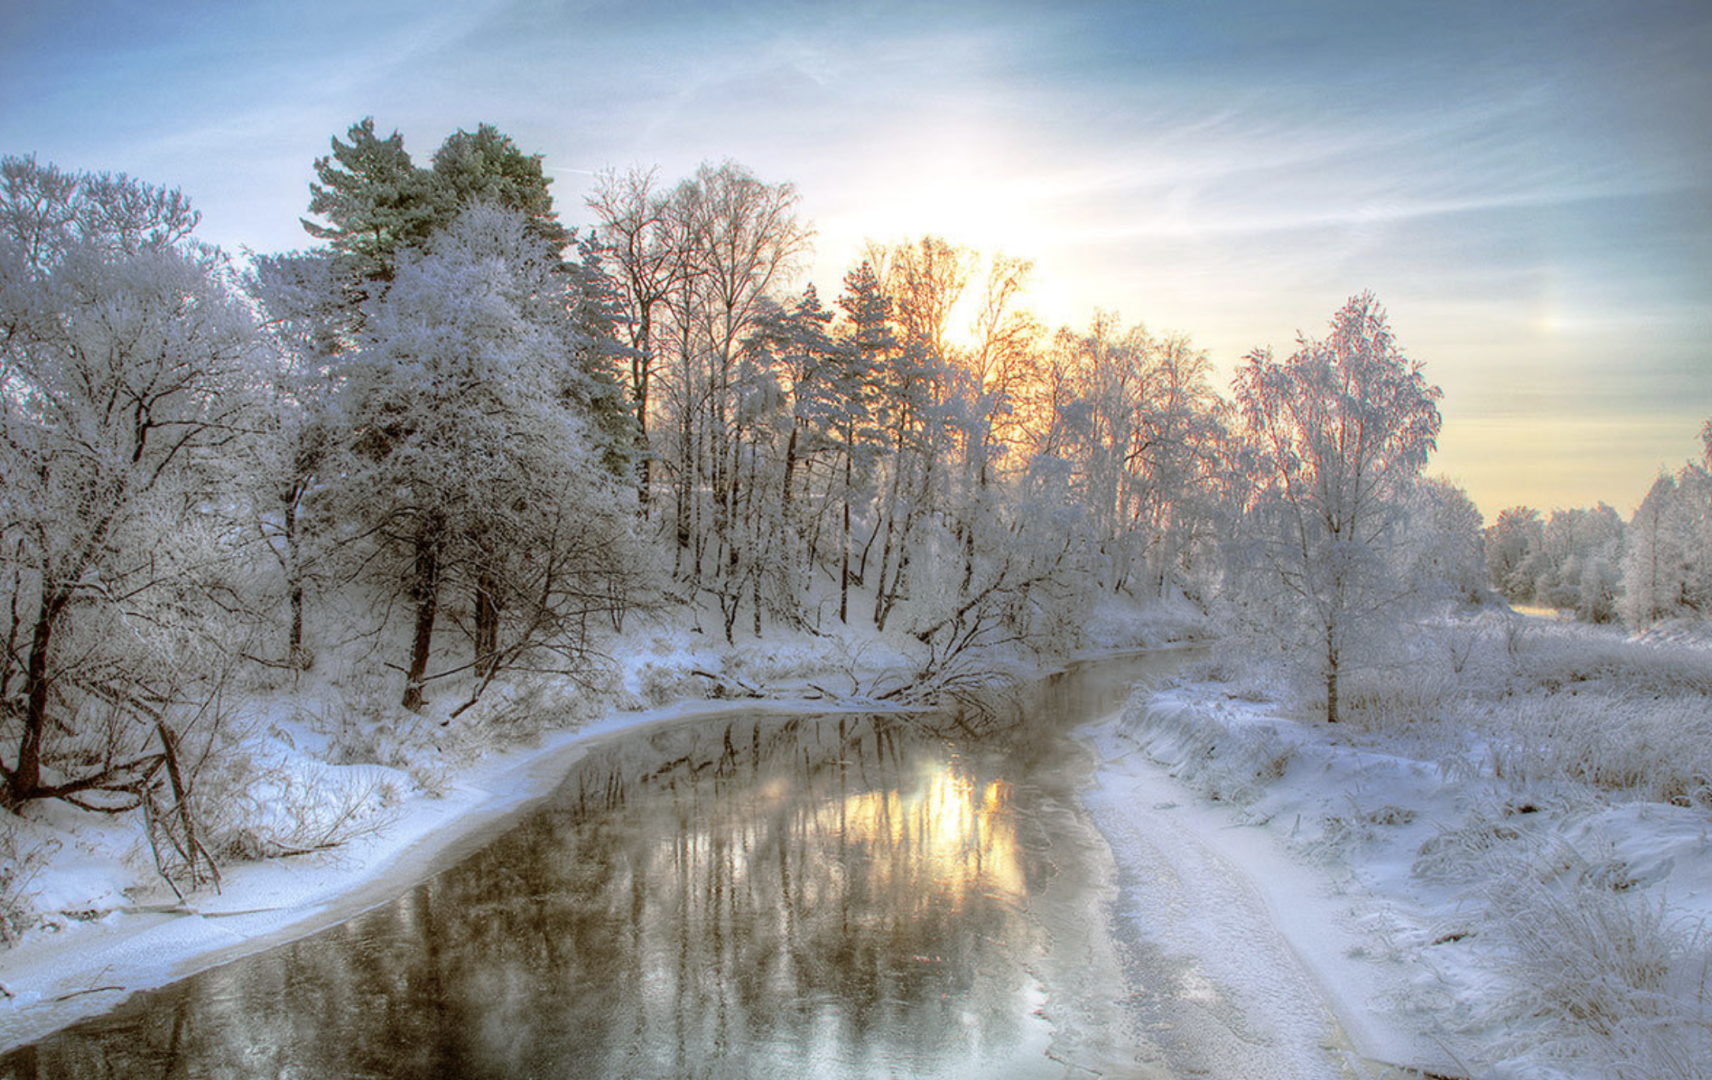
471	442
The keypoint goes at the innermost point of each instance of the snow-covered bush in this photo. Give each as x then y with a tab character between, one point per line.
659	683
1402	699
271	810
1602	976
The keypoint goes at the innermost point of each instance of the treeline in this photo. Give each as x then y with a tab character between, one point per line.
461	438
1589	562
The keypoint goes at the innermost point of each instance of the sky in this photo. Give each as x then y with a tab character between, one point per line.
1527	187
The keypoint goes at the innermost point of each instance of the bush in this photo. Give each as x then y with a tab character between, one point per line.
1608	976
19	862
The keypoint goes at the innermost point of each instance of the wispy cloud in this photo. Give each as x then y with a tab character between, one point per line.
1525	184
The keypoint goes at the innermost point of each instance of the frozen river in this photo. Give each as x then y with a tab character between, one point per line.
834	896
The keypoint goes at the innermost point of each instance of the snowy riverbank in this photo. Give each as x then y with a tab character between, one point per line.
70	966
1469	898
386	799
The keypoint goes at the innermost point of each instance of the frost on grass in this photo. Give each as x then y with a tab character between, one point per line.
1539	795
1598	973
20	860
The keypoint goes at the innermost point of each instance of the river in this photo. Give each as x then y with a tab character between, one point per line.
752	896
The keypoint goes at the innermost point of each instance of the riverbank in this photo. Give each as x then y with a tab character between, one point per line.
1504	880
395	799
71	967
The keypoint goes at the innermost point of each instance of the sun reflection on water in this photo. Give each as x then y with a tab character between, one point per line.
949	838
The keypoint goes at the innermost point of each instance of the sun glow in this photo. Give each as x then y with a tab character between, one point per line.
943	842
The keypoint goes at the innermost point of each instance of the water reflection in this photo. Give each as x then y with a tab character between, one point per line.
836	896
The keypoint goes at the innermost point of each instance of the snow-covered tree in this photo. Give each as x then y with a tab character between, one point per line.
738	241
1513	545
127	359
305	312
1667	564
1138	422
1576	565
1445	543
1338	435
471	452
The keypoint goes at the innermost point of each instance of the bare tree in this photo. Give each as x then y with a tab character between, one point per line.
635	231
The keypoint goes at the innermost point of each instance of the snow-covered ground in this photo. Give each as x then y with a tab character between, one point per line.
1507	884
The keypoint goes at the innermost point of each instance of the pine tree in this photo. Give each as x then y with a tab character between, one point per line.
485	166
376	201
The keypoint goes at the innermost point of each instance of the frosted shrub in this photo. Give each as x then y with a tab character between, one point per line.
1607	974
284	812
1488	843
19	863
1400	700
660	684
1245	674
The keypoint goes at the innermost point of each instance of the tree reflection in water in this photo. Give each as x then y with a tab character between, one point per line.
835	896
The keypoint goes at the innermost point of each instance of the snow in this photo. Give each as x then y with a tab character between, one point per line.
1303	864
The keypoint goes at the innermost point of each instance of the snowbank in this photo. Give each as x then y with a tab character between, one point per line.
1474	893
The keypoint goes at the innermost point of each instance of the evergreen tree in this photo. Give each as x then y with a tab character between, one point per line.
376	201
485	166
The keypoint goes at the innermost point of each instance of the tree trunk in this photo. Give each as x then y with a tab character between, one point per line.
425	590
1331	676
640	367
294	654
844	556
487	621
25	779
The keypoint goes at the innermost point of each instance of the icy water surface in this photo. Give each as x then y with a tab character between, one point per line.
832	896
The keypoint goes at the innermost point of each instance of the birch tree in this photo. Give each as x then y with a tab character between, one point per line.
1338	434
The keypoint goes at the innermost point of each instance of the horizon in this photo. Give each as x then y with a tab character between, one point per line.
1532	214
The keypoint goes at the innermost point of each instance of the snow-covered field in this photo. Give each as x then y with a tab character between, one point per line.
1500	867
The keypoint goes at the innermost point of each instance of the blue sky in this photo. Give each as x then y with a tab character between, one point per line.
1527	187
